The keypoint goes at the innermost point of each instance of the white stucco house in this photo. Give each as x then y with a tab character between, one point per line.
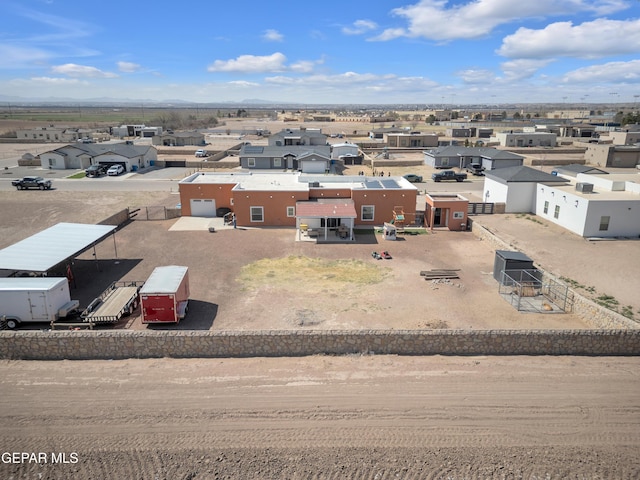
593	205
516	187
340	150
524	139
590	205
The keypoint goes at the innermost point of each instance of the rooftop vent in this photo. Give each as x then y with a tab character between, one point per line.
314	184
584	187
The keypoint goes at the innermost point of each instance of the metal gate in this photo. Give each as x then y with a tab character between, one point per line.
478	208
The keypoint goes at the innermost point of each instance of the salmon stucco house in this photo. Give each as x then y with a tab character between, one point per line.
295	199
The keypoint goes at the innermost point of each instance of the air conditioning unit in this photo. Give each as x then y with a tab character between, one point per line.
314	184
584	187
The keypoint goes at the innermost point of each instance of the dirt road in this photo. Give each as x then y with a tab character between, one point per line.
318	417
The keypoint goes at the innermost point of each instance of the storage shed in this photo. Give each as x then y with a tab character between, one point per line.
506	260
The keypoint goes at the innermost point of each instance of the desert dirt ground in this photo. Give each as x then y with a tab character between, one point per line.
324	417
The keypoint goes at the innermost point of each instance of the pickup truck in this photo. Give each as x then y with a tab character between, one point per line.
32	182
475	169
449	175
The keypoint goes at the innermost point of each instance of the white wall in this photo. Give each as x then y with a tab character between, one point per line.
571	216
52	160
494	192
624	218
521	197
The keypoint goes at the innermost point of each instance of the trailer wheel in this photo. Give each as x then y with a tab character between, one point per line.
12	324
131	308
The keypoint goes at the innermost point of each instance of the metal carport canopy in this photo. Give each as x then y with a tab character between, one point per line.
44	250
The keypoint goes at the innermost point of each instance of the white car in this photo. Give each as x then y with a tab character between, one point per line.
115	170
202	153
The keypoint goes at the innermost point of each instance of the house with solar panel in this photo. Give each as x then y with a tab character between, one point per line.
327	207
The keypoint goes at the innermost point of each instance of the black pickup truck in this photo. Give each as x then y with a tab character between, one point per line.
475	169
449	175
32	182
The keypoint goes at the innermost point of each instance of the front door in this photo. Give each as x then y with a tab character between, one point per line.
437	217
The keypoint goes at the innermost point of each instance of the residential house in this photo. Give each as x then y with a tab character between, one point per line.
624	137
515	187
572	170
524	139
454	156
295	199
308	159
81	155
410	140
593	205
179	139
53	134
348	153
607	155
301	136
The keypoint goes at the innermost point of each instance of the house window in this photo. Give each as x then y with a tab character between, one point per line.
277	162
257	214
458	215
445	161
291	211
546	207
52	162
604	223
556	212
252	162
367	213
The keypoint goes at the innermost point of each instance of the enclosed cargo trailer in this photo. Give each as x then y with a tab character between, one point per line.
35	299
165	295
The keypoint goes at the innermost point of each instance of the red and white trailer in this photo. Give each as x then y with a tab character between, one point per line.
165	295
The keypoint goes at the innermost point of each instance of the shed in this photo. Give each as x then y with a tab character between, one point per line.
507	260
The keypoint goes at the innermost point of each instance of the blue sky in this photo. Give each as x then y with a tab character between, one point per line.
342	52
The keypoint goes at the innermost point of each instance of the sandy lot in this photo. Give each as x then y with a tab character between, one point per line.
365	417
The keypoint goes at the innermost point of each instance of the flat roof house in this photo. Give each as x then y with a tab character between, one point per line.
293	199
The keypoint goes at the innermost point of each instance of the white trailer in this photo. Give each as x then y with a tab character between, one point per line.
35	299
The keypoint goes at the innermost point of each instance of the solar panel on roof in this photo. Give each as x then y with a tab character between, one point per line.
253	149
372	184
390	183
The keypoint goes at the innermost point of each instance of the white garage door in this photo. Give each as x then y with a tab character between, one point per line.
203	207
310	166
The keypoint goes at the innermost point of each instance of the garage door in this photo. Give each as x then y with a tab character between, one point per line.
310	166
203	207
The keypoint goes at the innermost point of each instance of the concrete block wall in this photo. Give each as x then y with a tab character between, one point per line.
121	344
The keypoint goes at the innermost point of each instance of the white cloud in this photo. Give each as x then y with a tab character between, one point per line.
612	72
477	76
56	81
522	68
244	84
272	36
359	27
128	67
74	70
250	64
599	38
433	19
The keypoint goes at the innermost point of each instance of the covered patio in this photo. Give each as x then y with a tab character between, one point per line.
325	220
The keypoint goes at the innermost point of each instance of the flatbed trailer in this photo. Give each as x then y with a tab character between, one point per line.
120	299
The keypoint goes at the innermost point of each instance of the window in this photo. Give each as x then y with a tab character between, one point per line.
556	212
604	223
257	214
291	211
458	215
367	212
52	162
277	162
546	207
252	162
445	161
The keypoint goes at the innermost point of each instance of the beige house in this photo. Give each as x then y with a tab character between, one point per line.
411	140
607	155
624	138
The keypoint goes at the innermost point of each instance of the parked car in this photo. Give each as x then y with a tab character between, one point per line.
95	170
449	175
201	153
413	178
32	182
115	170
475	169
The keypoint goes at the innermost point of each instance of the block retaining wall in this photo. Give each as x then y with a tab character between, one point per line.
80	345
